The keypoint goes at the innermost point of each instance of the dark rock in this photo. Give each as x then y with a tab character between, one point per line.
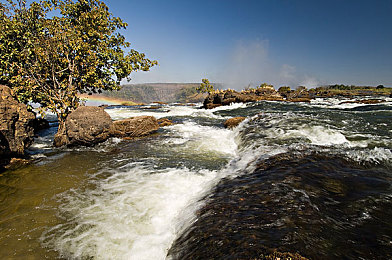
233	122
227	97
364	101
304	99
16	125
135	126
85	126
16	163
165	122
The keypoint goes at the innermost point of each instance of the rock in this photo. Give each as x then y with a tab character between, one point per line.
135	126
16	125
226	97
165	122
85	126
364	101
299	100
16	163
233	122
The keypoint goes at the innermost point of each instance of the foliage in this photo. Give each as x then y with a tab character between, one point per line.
50	59
265	85
205	87
380	86
284	89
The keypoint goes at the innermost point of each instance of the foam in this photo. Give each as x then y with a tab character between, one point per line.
134	214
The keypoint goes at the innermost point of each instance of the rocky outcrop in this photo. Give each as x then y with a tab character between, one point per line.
233	122
226	97
88	126
135	127
165	122
85	126
16	125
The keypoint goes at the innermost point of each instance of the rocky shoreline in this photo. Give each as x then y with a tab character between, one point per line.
268	93
88	126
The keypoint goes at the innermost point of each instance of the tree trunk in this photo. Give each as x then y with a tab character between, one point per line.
61	137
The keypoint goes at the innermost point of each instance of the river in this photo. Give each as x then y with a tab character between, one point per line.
296	177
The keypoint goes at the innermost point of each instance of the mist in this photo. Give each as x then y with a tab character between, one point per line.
249	64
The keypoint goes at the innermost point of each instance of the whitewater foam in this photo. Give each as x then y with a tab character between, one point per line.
133	214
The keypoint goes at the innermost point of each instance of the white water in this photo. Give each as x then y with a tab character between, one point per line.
137	212
171	111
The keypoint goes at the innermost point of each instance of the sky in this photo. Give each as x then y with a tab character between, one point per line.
281	42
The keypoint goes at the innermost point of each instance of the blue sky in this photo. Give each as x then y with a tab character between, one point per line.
283	42
277	41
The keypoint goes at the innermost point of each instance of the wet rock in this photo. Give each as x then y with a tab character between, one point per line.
307	100
135	126
305	204
16	163
16	125
165	122
85	126
364	101
233	122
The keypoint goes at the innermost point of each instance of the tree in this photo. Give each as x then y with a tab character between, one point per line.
265	86
205	87
380	87
51	59
284	89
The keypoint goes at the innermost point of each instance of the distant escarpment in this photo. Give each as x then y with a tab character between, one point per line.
163	92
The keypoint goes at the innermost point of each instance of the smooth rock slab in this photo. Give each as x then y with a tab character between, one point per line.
135	126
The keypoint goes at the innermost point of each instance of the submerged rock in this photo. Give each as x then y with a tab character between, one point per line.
85	126
165	122
16	125
233	122
135	126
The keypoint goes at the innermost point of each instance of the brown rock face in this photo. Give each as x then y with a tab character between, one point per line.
85	126
16	125
227	97
135	126
233	122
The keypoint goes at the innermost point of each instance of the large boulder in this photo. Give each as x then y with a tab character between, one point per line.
135	127
85	126
16	125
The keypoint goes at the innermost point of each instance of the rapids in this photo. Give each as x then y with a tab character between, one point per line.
308	178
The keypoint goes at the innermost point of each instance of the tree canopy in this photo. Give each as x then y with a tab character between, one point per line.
205	86
53	50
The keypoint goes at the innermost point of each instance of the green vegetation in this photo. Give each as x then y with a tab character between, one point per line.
284	89
205	87
266	85
51	59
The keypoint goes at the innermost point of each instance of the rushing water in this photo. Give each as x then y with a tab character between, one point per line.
308	178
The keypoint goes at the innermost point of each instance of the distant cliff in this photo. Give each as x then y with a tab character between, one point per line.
163	92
